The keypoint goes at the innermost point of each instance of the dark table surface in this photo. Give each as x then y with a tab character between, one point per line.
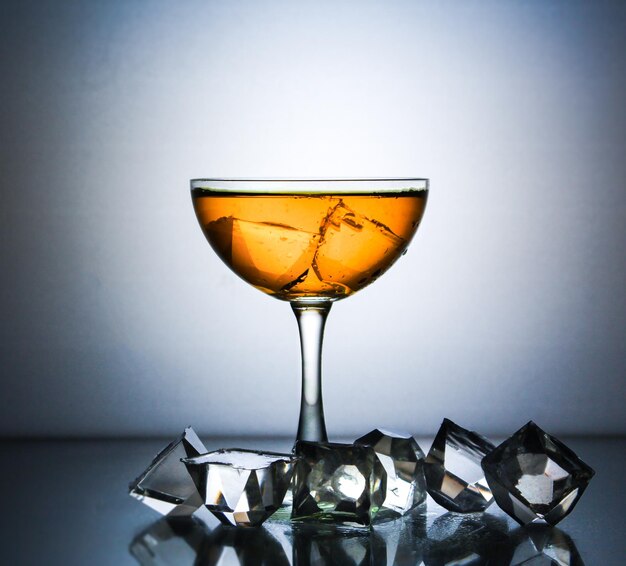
66	503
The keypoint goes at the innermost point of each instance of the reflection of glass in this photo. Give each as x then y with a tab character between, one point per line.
309	242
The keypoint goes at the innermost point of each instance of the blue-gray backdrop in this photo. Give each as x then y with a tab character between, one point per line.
118	319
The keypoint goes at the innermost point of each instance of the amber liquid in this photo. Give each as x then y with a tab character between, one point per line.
309	245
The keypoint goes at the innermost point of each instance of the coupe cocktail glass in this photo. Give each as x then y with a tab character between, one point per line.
310	242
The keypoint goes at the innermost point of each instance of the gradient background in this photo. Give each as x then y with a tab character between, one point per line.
119	320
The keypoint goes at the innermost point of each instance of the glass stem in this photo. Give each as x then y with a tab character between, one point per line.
311	319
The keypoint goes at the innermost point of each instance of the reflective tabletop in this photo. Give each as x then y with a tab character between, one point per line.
67	503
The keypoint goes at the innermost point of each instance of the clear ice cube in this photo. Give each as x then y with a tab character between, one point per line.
403	461
454	477
241	487
535	477
165	485
337	483
345	235
246	246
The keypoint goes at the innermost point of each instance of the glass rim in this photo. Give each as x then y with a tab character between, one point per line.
330	184
305	179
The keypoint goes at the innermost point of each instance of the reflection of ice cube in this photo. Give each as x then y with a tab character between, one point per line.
353	248
170	541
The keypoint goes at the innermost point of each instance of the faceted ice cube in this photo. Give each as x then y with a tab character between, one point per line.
337	483
467	539
272	255
454	477
345	236
241	487
535	477
165	485
542	545
403	461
